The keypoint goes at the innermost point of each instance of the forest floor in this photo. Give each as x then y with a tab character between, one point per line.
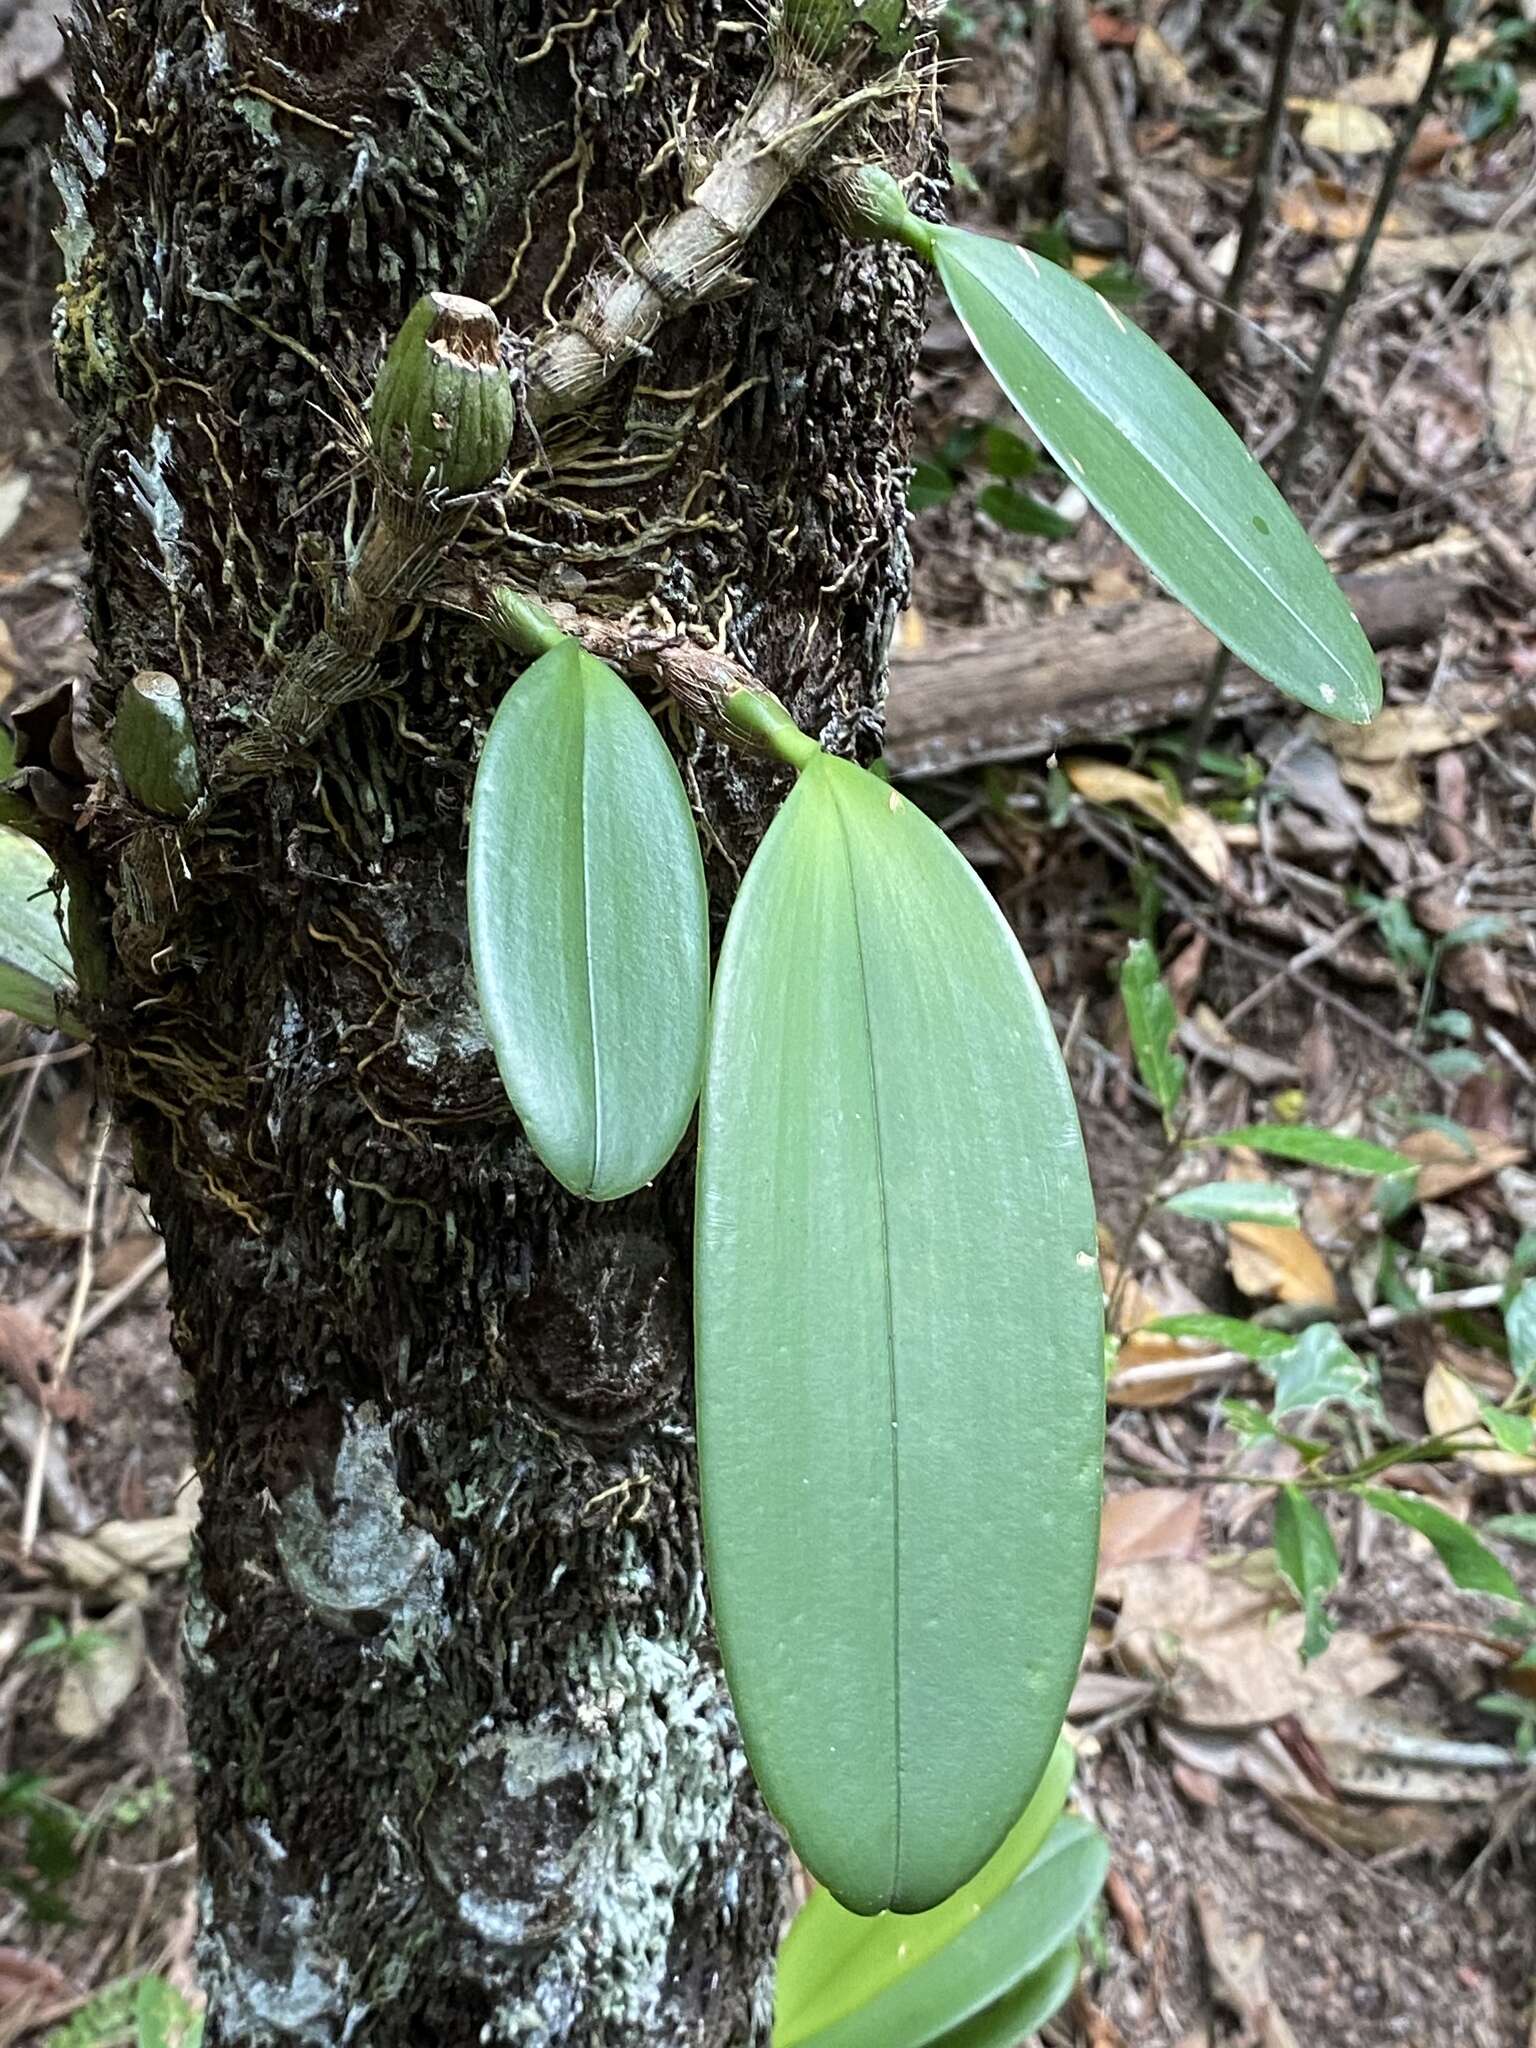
1332	1852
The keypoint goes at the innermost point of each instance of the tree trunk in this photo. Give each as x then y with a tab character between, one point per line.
468	1769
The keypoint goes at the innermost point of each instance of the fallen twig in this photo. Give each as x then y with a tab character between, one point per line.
32	1503
1083	54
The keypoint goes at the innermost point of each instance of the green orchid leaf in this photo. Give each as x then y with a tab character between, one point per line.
999	1947
1315	1147
1305	1552
1153	1022
1520	1330
1232	1333
588	924
36	976
1024	2010
899	1348
1471	1564
832	1962
1163	467
1238	1201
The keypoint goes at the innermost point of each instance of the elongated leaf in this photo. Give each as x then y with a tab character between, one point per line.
1238	1201
899	1331
832	1961
1023	2011
1232	1333
1305	1552
1520	1330
1152	1020
1164	469
588	925
35	971
997	1950
1471	1564
1314	1147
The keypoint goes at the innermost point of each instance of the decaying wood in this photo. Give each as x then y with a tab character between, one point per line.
999	694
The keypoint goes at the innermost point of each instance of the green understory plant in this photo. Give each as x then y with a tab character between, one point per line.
899	1323
1324	1396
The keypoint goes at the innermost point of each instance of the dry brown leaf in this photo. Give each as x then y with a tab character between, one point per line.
24	1975
1400	84
1102	782
1152	1521
115	1557
1162	70
1406	258
1343	127
1136	1305
1445	1166
94	1686
1408	729
1391	790
1223	1654
1237	1970
1268	1262
911	631
1451	1409
1512	381
52	1204
1322	206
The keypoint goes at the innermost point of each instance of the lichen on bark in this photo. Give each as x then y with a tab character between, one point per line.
467	1766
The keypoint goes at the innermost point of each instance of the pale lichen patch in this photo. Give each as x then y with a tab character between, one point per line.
355	1562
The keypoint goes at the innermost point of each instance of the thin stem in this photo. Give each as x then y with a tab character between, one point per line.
1294	445
1256	209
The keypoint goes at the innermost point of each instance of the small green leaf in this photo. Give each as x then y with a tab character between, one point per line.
1232	1333
1304	1550
1319	1368
899	1348
1513	1528
997	1949
588	924
833	1962
1020	513
1153	1020
1454	1063
1239	1201
1163	467
35	972
1471	1564
1008	454
1520	1330
931	484
1314	1147
1514	1433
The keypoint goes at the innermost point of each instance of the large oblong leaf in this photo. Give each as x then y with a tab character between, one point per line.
1001	1946
899	1349
588	924
832	1961
1163	467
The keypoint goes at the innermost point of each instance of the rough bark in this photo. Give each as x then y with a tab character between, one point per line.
468	1771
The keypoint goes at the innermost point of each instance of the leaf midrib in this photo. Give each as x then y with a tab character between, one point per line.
1335	663
890	1330
594	1058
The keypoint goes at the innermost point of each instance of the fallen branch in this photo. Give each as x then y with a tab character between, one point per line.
1000	694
